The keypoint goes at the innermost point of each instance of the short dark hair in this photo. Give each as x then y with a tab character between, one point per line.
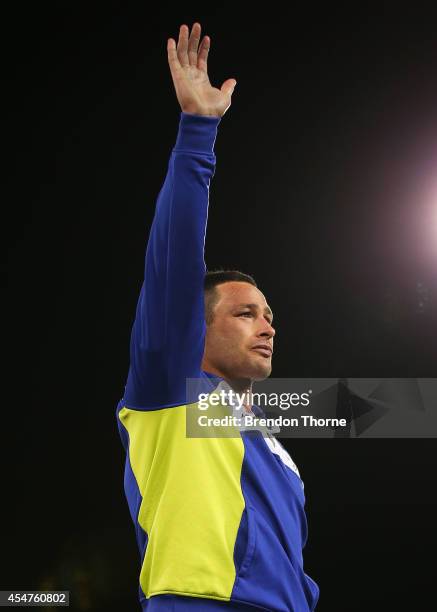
213	278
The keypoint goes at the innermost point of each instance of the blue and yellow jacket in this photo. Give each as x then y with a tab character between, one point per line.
215	517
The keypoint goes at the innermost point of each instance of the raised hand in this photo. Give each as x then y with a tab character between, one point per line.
189	71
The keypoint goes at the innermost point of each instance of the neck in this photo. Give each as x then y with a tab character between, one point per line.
239	385
242	386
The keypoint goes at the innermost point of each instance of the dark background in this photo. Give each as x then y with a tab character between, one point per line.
323	191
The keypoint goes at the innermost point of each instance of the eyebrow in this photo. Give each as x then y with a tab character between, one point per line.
267	310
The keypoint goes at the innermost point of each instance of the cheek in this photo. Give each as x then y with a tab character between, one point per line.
229	335
236	330
238	337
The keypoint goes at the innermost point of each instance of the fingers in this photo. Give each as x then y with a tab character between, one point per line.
202	60
173	59
193	44
228	87
187	52
182	49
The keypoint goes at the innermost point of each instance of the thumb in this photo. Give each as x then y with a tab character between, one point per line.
228	87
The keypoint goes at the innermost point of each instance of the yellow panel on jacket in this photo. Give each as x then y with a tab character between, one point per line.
192	503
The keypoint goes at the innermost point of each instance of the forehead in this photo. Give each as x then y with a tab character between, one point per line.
234	293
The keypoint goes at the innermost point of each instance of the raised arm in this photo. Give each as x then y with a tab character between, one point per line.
167	340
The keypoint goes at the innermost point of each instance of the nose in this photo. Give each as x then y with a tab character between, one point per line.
267	331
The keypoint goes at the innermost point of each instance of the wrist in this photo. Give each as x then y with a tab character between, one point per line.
201	112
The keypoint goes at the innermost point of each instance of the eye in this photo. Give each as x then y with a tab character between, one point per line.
245	314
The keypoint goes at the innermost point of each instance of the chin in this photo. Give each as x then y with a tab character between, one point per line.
261	377
255	370
261	373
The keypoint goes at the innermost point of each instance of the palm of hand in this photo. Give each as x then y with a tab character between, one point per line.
196	92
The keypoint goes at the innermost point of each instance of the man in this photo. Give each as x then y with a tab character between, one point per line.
219	521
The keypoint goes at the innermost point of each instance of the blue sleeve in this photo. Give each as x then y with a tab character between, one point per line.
168	333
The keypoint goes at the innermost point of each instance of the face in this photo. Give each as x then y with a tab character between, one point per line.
239	340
